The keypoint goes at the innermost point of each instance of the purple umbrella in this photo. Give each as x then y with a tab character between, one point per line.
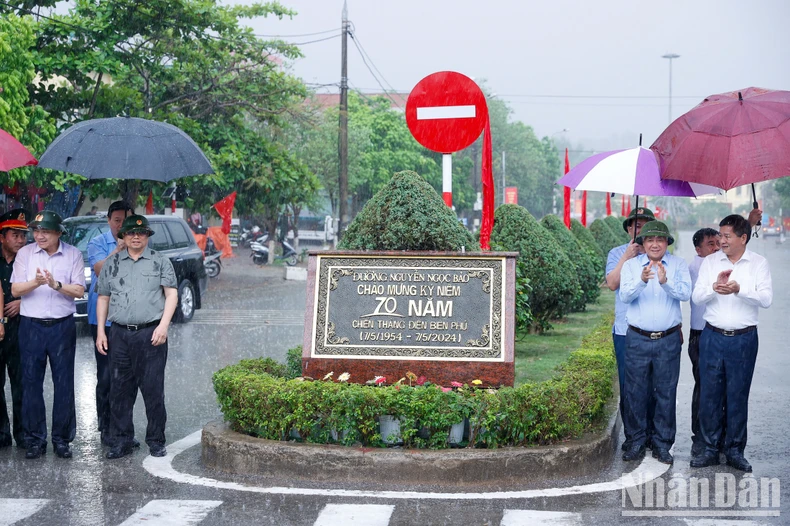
630	172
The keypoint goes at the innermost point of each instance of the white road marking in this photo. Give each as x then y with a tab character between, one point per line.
354	514
719	522
539	518
250	317
172	512
446	112
12	510
162	467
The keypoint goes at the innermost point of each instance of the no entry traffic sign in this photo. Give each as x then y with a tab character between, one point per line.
446	111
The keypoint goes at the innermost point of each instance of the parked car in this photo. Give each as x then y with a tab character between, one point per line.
772	226
172	237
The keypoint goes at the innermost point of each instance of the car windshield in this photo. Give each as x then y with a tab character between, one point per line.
80	234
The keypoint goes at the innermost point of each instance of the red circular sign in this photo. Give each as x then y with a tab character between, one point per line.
446	111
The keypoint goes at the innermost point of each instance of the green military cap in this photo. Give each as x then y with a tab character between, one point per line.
47	220
135	223
654	229
638	213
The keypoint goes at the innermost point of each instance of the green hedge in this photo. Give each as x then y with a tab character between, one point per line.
258	400
604	236
593	250
616	225
581	260
552	277
407	214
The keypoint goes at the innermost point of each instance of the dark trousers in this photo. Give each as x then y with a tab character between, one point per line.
37	344
652	368
696	434
619	354
10	361
137	364
102	385
726	366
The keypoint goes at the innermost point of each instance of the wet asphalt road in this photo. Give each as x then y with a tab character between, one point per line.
252	312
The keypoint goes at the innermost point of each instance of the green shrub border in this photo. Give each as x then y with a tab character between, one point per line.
258	398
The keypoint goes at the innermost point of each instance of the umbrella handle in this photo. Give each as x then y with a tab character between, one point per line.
754	198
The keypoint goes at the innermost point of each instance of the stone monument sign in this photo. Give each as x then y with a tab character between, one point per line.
446	316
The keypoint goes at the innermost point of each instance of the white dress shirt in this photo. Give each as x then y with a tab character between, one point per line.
697	311
734	311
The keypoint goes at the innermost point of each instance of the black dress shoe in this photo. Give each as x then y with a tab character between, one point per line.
634	453
626	445
5	441
62	450
663	455
119	451
739	462
157	450
35	451
106	440
704	460
697	448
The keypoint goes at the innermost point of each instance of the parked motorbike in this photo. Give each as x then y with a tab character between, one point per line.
248	236
260	252
211	259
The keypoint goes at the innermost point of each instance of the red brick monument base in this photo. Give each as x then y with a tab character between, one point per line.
446	316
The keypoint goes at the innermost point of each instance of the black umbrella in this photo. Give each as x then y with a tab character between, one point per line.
126	148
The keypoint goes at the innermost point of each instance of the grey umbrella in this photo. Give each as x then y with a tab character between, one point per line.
126	148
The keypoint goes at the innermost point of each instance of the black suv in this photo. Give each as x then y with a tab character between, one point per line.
172	237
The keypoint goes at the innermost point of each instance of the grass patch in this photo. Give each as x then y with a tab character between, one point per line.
538	355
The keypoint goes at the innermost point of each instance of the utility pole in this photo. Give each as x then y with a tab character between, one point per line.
671	57
342	136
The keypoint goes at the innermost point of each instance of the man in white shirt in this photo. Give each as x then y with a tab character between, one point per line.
706	242
732	284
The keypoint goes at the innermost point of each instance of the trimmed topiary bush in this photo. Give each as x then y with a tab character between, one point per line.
551	274
604	236
593	250
407	214
585	268
616	225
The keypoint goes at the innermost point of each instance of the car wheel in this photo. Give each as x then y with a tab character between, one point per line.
186	302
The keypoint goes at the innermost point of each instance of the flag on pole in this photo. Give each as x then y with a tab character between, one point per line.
628	210
566	197
487	175
584	208
622	205
224	208
149	205
608	204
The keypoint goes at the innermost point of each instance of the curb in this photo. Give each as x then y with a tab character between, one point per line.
226	450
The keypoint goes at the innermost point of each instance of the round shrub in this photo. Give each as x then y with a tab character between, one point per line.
616	225
407	214
551	274
585	268
603	236
591	247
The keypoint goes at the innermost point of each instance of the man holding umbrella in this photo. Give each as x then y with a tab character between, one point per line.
48	275
137	293
618	257
732	284
652	285
13	236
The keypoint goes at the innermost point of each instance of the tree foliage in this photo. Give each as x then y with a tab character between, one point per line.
615	224
589	290
590	246
407	214
551	274
604	236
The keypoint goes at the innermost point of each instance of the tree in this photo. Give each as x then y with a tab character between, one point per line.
579	257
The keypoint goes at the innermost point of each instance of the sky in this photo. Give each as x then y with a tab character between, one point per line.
594	69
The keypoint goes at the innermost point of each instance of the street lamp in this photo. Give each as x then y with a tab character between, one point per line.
670	56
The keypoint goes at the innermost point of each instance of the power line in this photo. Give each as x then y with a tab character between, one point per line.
312	41
300	34
362	56
364	51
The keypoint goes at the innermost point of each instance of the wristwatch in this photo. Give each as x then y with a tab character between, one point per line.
60	286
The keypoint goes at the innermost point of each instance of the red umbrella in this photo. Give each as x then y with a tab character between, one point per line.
729	140
13	154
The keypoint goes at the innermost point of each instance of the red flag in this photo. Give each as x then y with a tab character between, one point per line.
566	198
645	205
149	205
584	208
622	205
224	208
608	204
487	174
628	210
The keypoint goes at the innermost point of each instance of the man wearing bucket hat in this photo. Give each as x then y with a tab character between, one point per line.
138	295
617	257
652	285
48	275
13	236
